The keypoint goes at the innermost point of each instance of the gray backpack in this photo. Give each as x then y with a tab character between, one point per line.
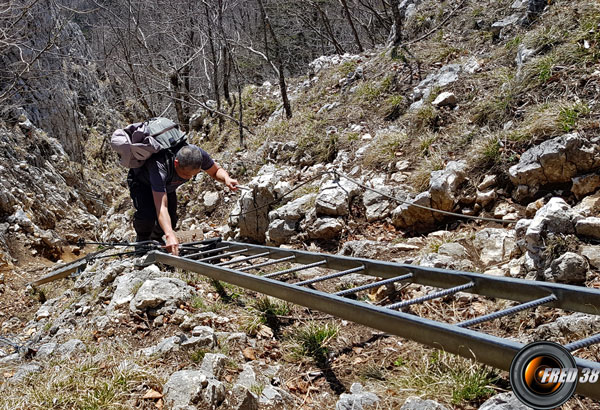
139	141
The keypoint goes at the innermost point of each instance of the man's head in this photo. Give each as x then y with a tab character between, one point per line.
188	161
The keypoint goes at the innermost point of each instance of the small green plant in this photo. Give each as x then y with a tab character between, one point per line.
348	67
312	340
513	43
373	371
544	68
491	151
268	306
257	389
568	116
198	355
399	362
198	302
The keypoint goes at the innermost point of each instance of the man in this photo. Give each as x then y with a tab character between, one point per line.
153	190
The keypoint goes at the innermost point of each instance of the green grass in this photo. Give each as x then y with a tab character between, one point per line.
312	340
445	377
569	116
268	306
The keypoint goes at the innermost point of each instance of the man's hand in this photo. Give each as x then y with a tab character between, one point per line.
231	183
172	243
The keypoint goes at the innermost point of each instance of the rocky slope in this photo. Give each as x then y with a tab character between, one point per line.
372	136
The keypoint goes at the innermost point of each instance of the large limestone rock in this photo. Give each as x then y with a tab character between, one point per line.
554	161
357	399
334	197
283	223
589	227
159	292
554	218
253	205
444	76
568	268
504	401
494	245
417	403
378	206
441	195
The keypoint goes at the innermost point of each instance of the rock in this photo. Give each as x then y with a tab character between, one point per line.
247	377
585	185
498	26
46	350
379	206
167	345
554	217
275	397
592	253
417	403
445	99
568	268
213	364
23	371
504	401
524	54
70	347
454	250
184	388
577	324
444	183
485	198
589	206
241	398
253	205
495	245
334	197
325	228
488	181
364	249
554	161
357	398
435	260
589	227
155	293
202	336
210	201
408	216
127	283
214	393
446	75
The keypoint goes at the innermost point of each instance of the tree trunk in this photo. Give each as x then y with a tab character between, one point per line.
396	32
280	66
354	32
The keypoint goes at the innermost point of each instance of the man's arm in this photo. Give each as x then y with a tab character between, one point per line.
164	220
219	174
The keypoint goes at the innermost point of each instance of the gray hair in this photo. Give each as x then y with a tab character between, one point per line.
189	157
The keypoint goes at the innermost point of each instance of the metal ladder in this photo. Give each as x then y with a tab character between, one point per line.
240	264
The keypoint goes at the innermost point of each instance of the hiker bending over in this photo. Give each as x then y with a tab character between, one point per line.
153	186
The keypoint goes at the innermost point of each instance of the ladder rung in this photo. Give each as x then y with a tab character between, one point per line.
193	255
434	295
247	258
283	272
374	285
210	258
272	262
331	276
509	311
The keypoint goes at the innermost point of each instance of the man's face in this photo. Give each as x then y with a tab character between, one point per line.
185	173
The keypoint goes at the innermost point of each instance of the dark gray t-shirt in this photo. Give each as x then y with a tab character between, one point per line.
159	172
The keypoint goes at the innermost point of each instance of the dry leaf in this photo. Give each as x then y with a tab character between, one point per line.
159	404
152	394
249	353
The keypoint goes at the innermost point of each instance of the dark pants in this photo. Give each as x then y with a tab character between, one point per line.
145	220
